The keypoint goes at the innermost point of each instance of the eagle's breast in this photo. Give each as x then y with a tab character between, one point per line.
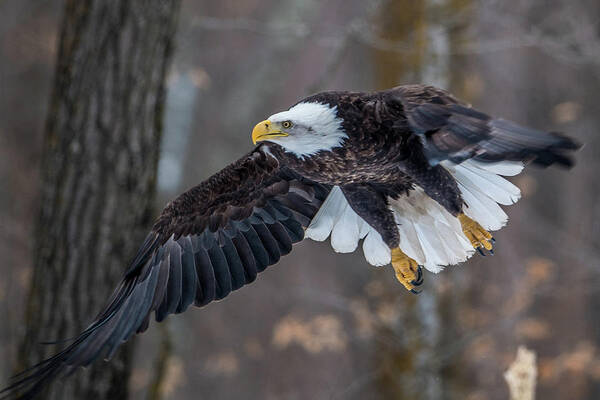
350	163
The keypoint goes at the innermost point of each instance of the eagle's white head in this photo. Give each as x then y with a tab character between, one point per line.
304	129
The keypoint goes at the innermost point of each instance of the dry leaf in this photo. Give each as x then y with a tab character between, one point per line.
323	332
566	112
225	363
533	328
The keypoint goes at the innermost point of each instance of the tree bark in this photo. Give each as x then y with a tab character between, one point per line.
98	175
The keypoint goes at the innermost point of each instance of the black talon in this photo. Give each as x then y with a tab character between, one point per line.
491	252
419	280
493	240
480	251
415	291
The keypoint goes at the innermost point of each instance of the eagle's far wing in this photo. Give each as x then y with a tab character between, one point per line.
211	240
452	130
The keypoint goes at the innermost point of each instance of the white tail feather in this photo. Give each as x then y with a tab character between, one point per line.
337	218
482	209
322	223
345	233
493	186
432	236
375	250
482	189
504	168
428	233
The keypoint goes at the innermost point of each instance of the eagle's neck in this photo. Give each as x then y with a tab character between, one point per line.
321	129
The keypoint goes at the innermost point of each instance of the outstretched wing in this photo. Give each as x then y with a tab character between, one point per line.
211	240
454	131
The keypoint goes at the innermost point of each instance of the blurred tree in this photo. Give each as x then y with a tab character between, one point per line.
415	355
98	174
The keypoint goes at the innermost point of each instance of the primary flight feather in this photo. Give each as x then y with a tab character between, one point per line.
411	171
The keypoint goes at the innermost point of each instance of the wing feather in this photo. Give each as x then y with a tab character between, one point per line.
189	278
451	130
269	243
210	241
281	236
207	285
236	269
222	274
246	257
260	253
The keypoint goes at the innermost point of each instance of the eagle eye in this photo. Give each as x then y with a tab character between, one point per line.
286	124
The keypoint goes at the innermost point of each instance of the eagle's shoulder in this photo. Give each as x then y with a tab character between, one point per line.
235	186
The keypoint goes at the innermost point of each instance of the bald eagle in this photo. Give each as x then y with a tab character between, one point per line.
414	173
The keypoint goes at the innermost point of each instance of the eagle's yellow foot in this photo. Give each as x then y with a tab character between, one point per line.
479	237
408	272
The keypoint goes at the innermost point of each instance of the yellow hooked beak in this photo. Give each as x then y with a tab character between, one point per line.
266	130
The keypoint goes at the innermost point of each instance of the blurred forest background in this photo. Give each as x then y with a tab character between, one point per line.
321	325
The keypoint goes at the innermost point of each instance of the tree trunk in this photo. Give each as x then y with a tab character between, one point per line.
99	173
410	356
